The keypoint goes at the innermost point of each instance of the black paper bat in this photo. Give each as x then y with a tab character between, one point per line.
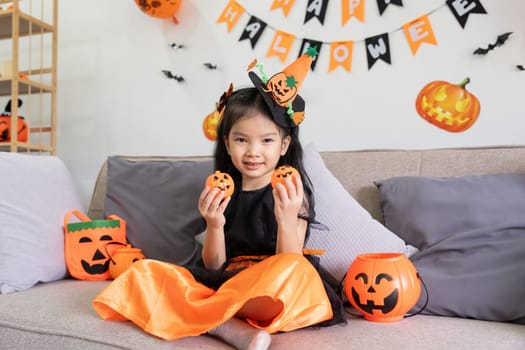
502	38
176	46
520	67
170	75
210	65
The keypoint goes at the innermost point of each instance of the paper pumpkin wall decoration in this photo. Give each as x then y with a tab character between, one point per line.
281	173
123	258
448	106
159	8
382	286
222	181
211	122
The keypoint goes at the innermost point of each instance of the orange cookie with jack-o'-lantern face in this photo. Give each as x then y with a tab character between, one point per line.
281	173
222	181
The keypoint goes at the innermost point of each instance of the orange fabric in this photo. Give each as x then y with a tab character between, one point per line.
166	301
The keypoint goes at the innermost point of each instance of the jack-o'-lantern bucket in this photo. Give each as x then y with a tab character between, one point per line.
382	286
122	260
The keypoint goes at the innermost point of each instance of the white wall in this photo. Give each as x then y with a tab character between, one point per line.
113	99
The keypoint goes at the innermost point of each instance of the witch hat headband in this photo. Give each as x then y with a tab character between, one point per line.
281	91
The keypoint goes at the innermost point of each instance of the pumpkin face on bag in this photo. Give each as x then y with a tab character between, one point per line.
89	245
94	253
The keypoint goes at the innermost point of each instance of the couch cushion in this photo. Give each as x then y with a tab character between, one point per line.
471	232
158	199
36	194
350	228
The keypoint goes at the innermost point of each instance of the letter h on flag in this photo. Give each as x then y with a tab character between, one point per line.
231	14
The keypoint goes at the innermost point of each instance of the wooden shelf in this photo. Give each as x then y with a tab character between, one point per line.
25	86
17	23
28	25
24	146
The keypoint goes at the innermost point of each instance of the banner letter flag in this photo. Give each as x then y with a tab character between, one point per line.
463	8
281	45
231	14
285	5
352	8
312	46
317	9
341	55
419	31
253	30
383	4
377	47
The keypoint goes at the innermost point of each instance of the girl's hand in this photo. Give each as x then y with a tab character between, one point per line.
212	205
289	201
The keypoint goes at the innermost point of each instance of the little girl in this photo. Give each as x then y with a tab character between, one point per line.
256	280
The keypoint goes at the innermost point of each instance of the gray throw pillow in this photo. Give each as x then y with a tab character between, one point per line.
471	235
158	200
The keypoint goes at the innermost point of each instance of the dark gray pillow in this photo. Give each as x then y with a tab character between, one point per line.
471	235
158	200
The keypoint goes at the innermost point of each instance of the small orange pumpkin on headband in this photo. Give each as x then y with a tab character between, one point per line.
222	181
281	173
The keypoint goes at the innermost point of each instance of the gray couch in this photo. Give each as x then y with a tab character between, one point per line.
59	315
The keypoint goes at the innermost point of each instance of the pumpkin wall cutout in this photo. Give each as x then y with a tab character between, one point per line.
448	106
160	8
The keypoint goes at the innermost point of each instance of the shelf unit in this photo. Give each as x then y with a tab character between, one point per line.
36	21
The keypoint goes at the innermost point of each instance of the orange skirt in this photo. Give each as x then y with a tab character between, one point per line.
165	300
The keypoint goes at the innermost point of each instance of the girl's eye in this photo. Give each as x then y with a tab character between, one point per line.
240	139
268	140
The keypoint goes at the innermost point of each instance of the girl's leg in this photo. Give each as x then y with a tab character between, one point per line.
261	310
241	335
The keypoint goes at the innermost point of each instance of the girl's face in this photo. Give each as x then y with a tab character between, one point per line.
255	144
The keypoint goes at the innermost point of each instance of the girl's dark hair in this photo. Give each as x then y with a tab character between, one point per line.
246	102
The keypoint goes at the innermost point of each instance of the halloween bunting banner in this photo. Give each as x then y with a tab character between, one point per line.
383	4
461	9
285	5
316	9
419	31
416	32
253	31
